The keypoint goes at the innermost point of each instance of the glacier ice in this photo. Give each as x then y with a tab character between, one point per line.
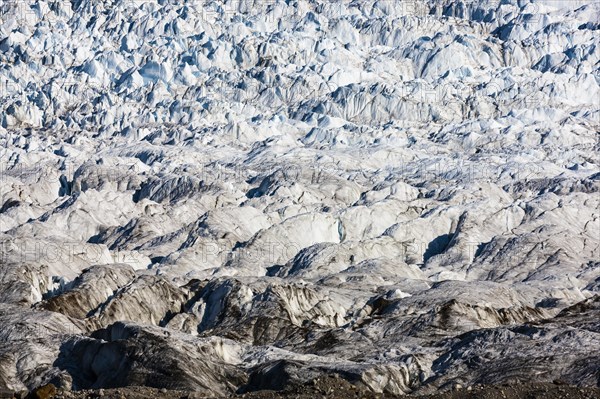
244	194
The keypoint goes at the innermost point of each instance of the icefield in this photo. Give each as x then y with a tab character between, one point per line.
227	196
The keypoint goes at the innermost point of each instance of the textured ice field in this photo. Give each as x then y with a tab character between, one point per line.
240	195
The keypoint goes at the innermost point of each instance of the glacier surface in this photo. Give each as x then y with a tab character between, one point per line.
233	195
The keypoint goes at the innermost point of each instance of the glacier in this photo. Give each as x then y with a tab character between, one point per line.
226	196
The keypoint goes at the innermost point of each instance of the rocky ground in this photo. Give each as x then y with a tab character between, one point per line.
246	195
335	387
